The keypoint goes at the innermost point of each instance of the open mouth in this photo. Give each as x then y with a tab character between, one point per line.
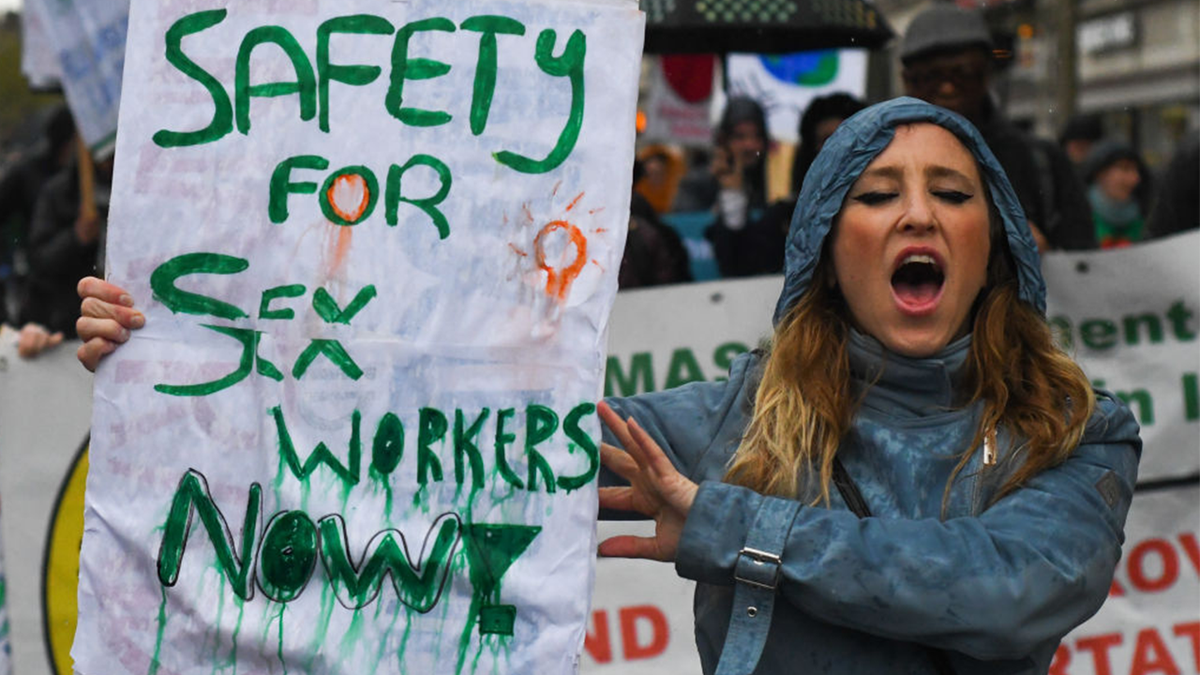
918	280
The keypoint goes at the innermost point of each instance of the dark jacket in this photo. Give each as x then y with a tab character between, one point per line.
57	258
1044	181
1176	205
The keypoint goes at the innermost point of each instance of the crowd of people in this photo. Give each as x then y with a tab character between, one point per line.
1089	190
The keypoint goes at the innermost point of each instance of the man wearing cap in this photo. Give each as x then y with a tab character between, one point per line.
946	55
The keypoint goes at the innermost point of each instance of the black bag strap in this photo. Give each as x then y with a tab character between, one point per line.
854	499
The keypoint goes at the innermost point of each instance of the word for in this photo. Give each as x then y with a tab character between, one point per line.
1154	565
683	368
280	559
598	642
349	195
434	429
1151	654
312	83
1130	330
162	282
1142	403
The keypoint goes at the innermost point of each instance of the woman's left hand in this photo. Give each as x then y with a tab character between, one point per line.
655	489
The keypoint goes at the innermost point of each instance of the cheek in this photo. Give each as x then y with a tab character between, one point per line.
976	243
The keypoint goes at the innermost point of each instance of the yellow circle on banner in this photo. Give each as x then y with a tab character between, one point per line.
60	575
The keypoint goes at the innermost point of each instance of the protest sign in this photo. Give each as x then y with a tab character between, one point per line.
785	84
678	98
377	245
89	41
39	61
1129	317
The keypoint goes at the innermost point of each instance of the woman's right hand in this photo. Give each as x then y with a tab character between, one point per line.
106	317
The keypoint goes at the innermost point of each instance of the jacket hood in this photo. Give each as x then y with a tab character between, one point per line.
848	152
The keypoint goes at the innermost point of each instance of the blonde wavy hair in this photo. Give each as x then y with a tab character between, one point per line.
804	404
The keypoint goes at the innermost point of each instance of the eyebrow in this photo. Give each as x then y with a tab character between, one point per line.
895	172
939	171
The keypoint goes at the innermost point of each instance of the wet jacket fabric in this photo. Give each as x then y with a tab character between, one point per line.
994	586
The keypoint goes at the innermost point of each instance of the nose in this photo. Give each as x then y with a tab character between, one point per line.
919	217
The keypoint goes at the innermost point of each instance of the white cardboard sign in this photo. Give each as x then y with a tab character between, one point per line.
377	246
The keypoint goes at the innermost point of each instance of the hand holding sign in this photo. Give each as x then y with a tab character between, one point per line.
106	317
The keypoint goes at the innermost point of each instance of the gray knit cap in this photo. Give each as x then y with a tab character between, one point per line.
942	27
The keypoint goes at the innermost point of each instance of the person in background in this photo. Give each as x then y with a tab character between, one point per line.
1177	203
946	54
821	118
747	238
662	169
66	242
696	192
1079	134
21	181
654	252
1119	193
34	339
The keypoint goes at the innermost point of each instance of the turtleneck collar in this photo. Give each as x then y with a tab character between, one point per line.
905	387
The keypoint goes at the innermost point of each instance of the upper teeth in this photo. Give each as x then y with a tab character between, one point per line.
918	258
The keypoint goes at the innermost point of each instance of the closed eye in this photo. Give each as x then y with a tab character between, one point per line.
953	196
874	198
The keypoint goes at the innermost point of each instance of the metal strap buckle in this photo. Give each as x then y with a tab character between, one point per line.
753	560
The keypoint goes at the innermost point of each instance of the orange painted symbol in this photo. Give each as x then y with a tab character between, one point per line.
343	190
561	278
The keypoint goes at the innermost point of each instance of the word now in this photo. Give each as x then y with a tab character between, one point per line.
281	558
311	84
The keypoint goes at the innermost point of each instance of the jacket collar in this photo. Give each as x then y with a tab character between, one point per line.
905	387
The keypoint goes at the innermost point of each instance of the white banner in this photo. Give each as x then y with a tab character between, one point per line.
376	245
678	99
45	410
39	59
786	83
88	37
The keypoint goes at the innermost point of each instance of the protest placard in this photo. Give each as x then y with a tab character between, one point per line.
377	245
39	61
88	40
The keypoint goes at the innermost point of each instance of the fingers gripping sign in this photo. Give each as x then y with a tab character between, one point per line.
106	317
655	489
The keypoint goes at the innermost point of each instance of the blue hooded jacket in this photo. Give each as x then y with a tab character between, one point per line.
992	586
